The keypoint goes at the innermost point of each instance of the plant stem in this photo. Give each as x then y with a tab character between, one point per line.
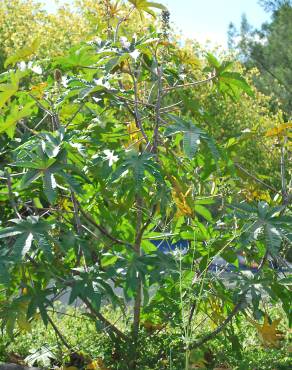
138	296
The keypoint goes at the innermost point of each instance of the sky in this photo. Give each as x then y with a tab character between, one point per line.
205	19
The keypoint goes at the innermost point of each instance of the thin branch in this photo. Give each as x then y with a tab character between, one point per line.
121	20
285	198
42	107
57	331
89	218
255	178
138	296
221	327
157	107
11	195
170	107
191	84
105	321
237	308
137	113
41	121
74	115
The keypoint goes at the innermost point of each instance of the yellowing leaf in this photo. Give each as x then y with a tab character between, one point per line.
114	8
268	333
23	323
135	136
152	327
278	130
217	316
14	116
23	53
180	198
9	89
65	204
252	193
38	90
96	364
21	314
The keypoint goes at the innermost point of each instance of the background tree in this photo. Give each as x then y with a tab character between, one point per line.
269	49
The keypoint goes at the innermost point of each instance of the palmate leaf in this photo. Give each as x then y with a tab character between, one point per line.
77	57
234	82
265	223
145	6
138	164
228	82
47	161
191	136
268	332
27	231
15	115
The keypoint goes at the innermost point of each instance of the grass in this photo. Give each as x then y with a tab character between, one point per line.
46	349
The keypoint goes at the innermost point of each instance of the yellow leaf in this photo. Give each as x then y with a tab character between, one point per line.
21	319
66	205
135	136
23	53
23	323
8	90
278	130
217	316
151	327
38	90
180	198
96	364
268	333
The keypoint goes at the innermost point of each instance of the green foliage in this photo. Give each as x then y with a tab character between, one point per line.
104	152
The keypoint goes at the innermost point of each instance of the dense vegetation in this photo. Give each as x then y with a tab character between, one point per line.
115	142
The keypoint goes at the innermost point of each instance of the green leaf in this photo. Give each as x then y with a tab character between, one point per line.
138	164
234	79
29	177
273	238
9	231
148	247
191	136
108	259
204	212
50	185
213	61
21	246
286	281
